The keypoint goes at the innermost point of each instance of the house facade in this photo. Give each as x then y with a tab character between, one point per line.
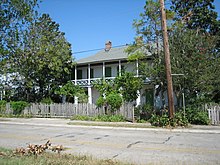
108	64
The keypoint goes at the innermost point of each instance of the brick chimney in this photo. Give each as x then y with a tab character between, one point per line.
108	45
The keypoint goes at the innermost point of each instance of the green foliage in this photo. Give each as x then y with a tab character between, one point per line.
197	116
2	106
144	112
100	102
47	100
105	118
114	100
15	17
128	86
197	14
83	118
71	90
164	120
110	118
18	106
44	60
194	55
109	95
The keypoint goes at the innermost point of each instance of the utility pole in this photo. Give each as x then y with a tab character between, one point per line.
167	60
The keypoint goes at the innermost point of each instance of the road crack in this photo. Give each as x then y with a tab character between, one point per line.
130	145
167	139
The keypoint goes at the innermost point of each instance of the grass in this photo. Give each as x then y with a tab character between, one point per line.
121	124
7	158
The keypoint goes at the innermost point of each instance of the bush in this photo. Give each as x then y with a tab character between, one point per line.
196	116
109	118
100	102
164	120
2	106
144	112
47	100
114	100
18	106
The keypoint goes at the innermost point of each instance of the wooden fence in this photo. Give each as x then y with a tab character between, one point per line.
69	109
214	113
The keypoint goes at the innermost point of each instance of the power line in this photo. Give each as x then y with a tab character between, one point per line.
91	50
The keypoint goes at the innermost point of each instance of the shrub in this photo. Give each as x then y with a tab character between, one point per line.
196	116
164	120
47	100
18	106
100	101
116	118
109	118
114	100
145	111
2	106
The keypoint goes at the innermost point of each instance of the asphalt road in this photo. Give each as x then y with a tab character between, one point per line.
138	146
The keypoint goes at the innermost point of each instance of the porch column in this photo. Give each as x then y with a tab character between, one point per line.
89	85
138	100
75	98
103	70
119	67
137	68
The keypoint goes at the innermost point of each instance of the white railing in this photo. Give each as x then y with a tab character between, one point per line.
88	82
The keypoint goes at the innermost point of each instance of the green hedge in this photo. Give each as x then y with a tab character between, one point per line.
18	106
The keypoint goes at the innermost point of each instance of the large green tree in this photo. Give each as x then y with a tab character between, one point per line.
15	16
194	55
45	60
197	14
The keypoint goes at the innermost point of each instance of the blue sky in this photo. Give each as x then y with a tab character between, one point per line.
89	23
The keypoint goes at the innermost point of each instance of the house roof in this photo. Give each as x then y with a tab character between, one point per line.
114	54
104	56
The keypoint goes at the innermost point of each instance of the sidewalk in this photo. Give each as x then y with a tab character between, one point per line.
57	122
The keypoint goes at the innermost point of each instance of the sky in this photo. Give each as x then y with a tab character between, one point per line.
88	24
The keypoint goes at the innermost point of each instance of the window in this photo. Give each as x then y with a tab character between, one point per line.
72	75
122	69
91	73
79	74
108	72
149	93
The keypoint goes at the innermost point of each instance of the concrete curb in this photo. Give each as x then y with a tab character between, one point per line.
176	130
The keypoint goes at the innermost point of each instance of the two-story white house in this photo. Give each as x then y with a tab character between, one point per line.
108	63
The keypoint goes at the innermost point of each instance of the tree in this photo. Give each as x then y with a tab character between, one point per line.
194	55
122	88
15	16
128	85
197	14
193	52
45	61
70	90
109	97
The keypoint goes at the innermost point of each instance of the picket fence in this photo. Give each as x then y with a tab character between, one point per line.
214	113
68	110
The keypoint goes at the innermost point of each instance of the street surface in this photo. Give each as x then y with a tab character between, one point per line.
138	146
